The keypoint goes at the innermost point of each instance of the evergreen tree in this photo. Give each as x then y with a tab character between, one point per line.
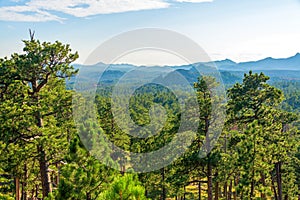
125	187
258	122
37	106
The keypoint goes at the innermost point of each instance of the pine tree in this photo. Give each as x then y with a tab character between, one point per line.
258	123
37	105
125	187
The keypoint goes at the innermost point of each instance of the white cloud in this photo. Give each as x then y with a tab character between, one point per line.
41	10
16	0
26	14
194	1
84	8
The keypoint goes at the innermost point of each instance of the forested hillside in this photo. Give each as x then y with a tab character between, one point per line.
42	156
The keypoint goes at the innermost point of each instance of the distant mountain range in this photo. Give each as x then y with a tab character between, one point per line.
291	63
282	69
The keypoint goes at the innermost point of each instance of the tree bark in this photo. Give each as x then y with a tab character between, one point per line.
44	165
45	175
17	184
88	196
24	183
230	191
209	180
235	193
274	188
225	190
57	180
163	187
199	190
263	180
278	180
217	190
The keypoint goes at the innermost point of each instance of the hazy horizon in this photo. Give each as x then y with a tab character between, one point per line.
237	30
140	62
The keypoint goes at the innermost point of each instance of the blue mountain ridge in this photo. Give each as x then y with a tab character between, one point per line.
231	72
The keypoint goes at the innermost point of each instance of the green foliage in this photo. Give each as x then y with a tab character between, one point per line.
256	157
259	128
82	177
5	197
36	111
124	187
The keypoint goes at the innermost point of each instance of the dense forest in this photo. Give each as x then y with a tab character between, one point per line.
257	155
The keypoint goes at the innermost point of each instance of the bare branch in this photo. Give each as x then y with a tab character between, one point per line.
31	34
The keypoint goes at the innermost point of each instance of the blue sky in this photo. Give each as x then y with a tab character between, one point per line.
241	30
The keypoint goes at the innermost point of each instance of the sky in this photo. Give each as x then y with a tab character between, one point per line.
240	30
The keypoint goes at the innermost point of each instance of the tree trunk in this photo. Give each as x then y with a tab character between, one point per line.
24	183
225	191
274	189
163	187
44	166
37	192
209	180
235	193
230	191
146	192
45	175
278	180
263	180
58	175
88	196
217	190
199	190
17	184
209	165
252	195
252	185
23	191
